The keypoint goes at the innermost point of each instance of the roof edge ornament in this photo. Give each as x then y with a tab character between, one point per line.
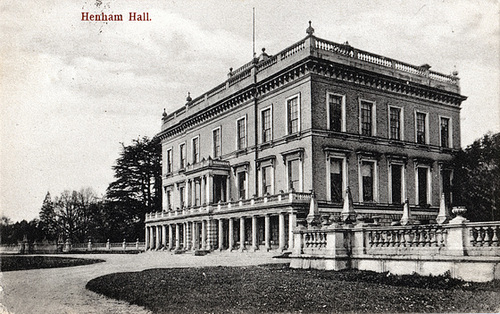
310	30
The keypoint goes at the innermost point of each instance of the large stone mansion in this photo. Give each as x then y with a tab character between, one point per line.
317	119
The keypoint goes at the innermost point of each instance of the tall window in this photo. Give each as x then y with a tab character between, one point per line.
241	133
336	180
196	150
181	196
446	177
169	161
366	118
267	180
395	123
216	140
422	181
396	184
421	127
335	112
169	199
294	175
293	115
242	184
266	125
368	181
445	132
182	155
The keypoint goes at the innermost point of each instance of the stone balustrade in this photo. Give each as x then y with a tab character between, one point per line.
246	204
470	251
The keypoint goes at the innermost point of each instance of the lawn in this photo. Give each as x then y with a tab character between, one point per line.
277	288
21	262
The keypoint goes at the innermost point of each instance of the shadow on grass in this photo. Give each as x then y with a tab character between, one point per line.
277	288
21	262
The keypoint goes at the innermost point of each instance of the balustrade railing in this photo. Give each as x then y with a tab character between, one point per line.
484	234
269	200
316	239
290	51
421	236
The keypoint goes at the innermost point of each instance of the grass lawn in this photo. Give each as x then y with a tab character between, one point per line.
277	288
21	262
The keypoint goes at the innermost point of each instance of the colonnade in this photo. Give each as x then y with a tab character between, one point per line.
249	233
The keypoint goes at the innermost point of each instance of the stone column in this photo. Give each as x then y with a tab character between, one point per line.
267	232
221	234
177	237
242	233
146	244
157	244
255	245
170	237
210	188
281	232
203	234
164	236
193	193
228	188
207	190
231	233
194	226
203	191
184	236
292	221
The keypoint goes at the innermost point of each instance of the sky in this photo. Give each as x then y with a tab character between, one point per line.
72	91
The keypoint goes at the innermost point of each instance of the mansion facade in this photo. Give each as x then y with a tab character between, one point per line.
242	161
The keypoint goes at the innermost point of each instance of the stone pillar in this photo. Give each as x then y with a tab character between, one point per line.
151	237
228	188
177	237
281	232
207	190
242	233
194	226
146	244
193	193
203	191
444	215
221	234
164	236
255	245
189	236
203	234
158	239
210	188
292	221
184	236
170	237
267	232
231	233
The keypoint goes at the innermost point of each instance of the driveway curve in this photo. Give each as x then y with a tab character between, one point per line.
62	290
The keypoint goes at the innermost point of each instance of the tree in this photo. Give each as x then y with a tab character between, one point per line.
477	178
137	188
48	222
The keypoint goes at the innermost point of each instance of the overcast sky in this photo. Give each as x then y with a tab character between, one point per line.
72	91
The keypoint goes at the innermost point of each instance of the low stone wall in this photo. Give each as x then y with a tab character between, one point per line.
469	251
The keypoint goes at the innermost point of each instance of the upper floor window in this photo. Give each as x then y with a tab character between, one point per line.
293	114
395	126
169	160
216	142
445	132
242	184
336	179
241	133
367	118
421	128
196	149
182	155
266	120
368	181
336	109
267	179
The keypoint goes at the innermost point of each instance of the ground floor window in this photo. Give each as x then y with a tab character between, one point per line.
336	178
294	175
422	186
368	181
396	184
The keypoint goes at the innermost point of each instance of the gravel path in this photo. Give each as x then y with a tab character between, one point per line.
62	290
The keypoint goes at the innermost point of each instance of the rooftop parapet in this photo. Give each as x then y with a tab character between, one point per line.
312	46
